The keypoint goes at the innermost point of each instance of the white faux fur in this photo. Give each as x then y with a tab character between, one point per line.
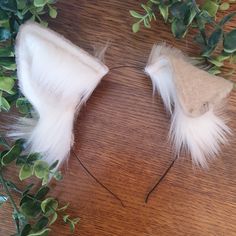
57	78
202	135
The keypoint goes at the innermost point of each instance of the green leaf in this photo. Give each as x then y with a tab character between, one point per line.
7	84
214	70
41	169
135	27
146	23
26	171
21	4
211	7
26	198
72	227
146	8
179	10
215	62
58	176
8	63
229	41
32	157
135	14
6	52
54	165
41	224
215	38
223	56
23	106
3	199
189	16
8	5
11	155
164	10
26	230
52	12
31	208
72	223
40	3
4	104
224	6
3	16
21	160
178	28
42	232
49	206
43	191
227	18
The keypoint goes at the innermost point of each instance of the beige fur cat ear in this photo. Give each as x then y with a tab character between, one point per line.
194	98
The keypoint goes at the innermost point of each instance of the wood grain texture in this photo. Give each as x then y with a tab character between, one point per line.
121	137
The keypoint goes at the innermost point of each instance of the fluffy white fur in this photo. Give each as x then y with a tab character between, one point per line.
57	78
201	136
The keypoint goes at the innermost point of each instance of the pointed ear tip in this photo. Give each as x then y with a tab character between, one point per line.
27	29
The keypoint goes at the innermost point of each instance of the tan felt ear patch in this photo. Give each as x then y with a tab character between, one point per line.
198	90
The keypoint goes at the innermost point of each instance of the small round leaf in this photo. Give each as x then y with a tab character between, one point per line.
229	41
136	27
25	172
41	169
224	6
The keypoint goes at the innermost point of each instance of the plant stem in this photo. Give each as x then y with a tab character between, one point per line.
2	180
15	188
198	11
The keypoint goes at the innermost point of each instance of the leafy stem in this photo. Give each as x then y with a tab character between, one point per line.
11	199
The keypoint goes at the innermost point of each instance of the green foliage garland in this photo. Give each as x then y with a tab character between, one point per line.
217	44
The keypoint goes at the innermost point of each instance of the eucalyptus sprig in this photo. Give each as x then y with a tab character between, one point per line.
36	212
217	44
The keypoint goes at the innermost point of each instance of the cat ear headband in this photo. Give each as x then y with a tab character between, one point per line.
192	96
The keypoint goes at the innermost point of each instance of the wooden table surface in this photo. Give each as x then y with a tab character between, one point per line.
121	137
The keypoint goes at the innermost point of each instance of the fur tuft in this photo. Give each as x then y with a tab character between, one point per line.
57	78
200	135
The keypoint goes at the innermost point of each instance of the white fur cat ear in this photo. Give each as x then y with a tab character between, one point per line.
194	99
57	78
